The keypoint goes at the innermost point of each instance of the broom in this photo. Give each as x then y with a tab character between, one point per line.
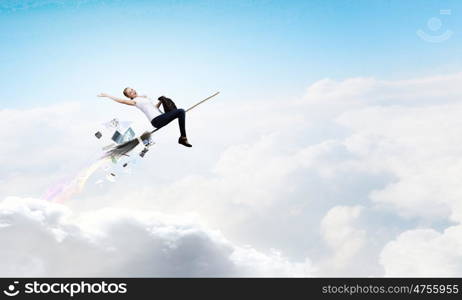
128	146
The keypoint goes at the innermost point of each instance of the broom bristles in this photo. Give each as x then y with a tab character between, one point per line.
128	146
123	149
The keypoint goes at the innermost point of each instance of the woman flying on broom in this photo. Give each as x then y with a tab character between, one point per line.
171	112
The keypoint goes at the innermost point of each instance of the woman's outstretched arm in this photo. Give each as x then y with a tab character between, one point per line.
123	101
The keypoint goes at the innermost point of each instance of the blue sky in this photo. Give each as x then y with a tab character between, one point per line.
54	51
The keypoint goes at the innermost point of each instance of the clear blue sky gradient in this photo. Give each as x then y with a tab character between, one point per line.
54	51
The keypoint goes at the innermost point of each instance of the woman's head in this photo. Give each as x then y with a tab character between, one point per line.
130	93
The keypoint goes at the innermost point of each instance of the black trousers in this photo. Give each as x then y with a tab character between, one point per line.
165	118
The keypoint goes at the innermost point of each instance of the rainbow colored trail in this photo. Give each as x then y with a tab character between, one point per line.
65	191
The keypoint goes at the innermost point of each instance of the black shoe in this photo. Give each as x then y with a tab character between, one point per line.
184	141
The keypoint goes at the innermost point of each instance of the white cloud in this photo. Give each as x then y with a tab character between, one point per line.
410	130
424	253
362	92
339	231
334	176
419	147
344	237
46	239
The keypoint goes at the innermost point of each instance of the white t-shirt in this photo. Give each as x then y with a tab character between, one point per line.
147	107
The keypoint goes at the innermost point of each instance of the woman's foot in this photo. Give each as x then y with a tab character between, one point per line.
184	141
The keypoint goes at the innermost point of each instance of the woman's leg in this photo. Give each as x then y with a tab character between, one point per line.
164	119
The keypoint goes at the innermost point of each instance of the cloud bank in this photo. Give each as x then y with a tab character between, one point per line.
45	239
359	177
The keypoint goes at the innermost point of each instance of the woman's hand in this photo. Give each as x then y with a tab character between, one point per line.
123	101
